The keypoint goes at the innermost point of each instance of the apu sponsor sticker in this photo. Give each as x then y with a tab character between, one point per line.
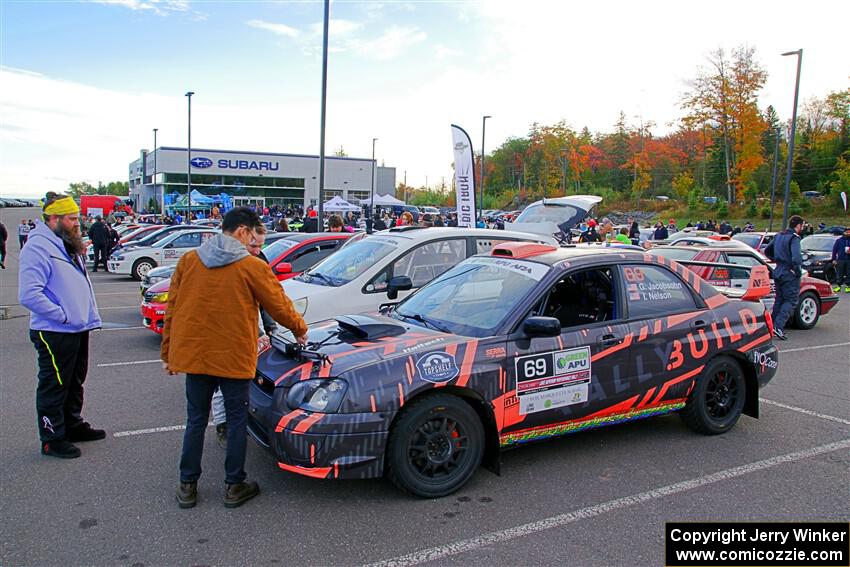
437	367
553	379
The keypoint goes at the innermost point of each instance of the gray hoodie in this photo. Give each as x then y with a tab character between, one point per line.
221	250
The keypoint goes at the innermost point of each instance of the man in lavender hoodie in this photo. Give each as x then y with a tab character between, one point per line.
54	286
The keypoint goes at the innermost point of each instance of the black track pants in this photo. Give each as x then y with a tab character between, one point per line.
63	360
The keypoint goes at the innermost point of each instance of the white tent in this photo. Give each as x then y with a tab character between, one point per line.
384	200
339	205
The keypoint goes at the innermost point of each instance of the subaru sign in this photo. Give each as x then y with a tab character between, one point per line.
248	164
201	162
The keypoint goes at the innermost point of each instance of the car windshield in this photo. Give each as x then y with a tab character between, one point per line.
351	262
547	213
277	248
819	243
475	297
748	239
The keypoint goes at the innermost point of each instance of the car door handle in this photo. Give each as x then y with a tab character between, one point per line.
698	324
609	340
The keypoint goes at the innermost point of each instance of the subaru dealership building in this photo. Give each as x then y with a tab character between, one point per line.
254	177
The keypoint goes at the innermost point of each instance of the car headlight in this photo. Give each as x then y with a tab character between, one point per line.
318	395
160	297
117	258
300	305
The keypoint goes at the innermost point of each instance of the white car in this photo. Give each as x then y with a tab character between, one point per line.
137	262
387	266
434	211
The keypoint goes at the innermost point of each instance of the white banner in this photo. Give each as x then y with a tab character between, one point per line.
844	200
464	177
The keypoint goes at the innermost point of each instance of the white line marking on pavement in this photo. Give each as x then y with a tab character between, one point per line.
813	347
119	293
119	329
127	363
151	430
136	307
467	545
807	412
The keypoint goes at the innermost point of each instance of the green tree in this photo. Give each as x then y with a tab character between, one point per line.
683	183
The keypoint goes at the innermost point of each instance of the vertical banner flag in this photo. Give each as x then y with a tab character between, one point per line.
844	200
464	177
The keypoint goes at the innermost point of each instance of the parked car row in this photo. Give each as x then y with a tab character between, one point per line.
6	202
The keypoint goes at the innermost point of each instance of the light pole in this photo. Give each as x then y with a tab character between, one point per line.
371	189
773	179
799	54
189	162
321	223
481	192
162	201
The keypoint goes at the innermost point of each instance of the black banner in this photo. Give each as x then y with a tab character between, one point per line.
744	544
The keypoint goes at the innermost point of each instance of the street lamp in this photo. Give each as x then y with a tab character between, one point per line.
799	54
189	161
321	222
371	189
481	191
162	202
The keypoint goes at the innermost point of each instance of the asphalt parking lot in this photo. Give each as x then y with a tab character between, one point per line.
596	498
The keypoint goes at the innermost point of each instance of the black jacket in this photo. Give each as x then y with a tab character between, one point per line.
99	234
311	224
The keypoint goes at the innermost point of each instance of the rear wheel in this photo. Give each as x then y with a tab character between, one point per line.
808	311
717	400
141	267
435	447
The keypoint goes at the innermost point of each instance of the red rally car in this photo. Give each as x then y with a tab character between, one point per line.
287	257
523	344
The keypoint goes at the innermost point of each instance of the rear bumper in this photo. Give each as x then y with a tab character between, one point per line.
336	446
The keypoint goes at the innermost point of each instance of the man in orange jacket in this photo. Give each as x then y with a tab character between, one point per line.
221	350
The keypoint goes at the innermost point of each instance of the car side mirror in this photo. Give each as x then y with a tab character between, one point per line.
542	327
283	268
397	284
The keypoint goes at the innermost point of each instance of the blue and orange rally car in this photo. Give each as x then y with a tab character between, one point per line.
526	343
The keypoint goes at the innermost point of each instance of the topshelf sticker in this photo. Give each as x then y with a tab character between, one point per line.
552	379
531	270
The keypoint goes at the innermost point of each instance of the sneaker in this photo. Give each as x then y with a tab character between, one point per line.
836	288
187	494
85	432
60	448
237	494
221	434
780	334
847	289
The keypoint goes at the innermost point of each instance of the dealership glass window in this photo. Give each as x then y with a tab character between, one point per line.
360	195
653	291
331	193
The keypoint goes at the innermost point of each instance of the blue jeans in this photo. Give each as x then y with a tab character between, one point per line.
787	296
199	392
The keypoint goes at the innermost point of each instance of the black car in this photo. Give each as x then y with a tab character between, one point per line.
817	255
527	343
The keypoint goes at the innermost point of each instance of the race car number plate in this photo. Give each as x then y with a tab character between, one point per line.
552	379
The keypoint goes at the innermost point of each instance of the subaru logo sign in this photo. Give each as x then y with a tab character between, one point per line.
201	162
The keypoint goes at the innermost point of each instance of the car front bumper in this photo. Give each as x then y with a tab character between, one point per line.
153	316
827	303
116	267
339	446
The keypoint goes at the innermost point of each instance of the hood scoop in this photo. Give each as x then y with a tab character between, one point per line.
368	328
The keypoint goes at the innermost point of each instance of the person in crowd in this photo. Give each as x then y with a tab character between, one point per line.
606	227
711	226
660	232
427	220
589	235
453	219
438	221
378	223
335	223
634	231
311	223
4	235
218	268
784	249
405	219
114	239
54	286
671	226
99	235
23	231
841	259
281	225
624	236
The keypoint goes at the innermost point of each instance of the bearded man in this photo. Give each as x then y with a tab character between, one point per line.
54	286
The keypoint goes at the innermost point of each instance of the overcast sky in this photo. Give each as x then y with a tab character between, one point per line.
82	84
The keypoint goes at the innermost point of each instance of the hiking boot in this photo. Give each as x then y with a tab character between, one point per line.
60	448
187	494
237	494
836	288
780	334
85	432
221	434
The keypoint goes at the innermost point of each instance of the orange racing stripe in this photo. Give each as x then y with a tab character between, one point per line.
675	381
468	359
755	343
318	472
627	341
284	421
306	423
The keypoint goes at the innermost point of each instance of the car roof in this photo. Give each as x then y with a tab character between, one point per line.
422	234
574	254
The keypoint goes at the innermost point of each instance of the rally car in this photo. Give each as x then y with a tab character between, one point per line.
529	342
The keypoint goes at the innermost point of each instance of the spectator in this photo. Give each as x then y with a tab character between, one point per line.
841	259
634	231
214	270
784	249
4	234
335	223
282	225
406	219
311	223
624	236
23	231
438	221
99	235
660	232
54	287
671	226
378	223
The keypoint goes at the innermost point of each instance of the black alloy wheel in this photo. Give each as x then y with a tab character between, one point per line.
717	400
435	447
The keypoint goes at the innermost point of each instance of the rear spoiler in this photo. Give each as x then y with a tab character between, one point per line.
759	278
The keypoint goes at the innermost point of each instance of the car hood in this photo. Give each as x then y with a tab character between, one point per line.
816	254
350	342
